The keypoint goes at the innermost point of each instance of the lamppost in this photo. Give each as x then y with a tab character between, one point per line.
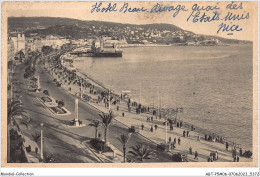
109	100
41	141
166	129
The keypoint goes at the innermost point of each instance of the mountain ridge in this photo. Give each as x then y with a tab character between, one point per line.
28	23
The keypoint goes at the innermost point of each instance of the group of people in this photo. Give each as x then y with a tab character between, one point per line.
29	149
213	156
196	154
186	133
173	143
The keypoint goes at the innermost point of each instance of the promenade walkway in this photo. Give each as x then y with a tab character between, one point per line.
204	148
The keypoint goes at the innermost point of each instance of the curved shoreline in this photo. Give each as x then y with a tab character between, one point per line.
187	125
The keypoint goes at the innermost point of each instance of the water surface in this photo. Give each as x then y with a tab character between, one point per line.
212	83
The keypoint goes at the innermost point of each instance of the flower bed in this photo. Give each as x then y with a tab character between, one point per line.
100	145
58	110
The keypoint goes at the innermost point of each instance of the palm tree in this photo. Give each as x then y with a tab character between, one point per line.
106	120
124	139
15	109
140	152
95	123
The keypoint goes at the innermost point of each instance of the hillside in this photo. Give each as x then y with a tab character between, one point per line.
34	22
82	29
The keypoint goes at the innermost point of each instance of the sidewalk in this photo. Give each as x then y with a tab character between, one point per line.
31	156
204	148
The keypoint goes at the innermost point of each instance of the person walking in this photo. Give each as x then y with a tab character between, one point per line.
170	139
171	127
151	129
123	114
172	145
183	133
180	124
174	140
198	137
237	158
142	126
240	152
196	155
29	148
179	141
155	127
36	150
216	155
227	146
190	149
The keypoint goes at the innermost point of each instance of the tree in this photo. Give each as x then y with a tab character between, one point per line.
124	139
61	104
46	50
140	152
106	120
14	109
95	123
46	92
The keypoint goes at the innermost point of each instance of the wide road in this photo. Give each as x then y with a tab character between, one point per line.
64	142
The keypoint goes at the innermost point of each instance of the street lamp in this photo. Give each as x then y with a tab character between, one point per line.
166	129
41	141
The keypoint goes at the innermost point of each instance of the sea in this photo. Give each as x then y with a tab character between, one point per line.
213	84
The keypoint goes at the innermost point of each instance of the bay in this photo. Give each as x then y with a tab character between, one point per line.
213	84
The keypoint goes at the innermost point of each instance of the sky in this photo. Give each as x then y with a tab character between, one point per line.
82	11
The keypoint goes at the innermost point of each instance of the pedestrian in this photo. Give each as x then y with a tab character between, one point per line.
123	114
240	152
171	127
117	108
174	140
179	141
36	150
181	124
178	124
227	146
196	155
206	137
234	152
183	133
142	126
237	158
198	137
209	158
155	126
190	150
188	133
29	148
172	145
151	129
216	155
170	139
152	119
